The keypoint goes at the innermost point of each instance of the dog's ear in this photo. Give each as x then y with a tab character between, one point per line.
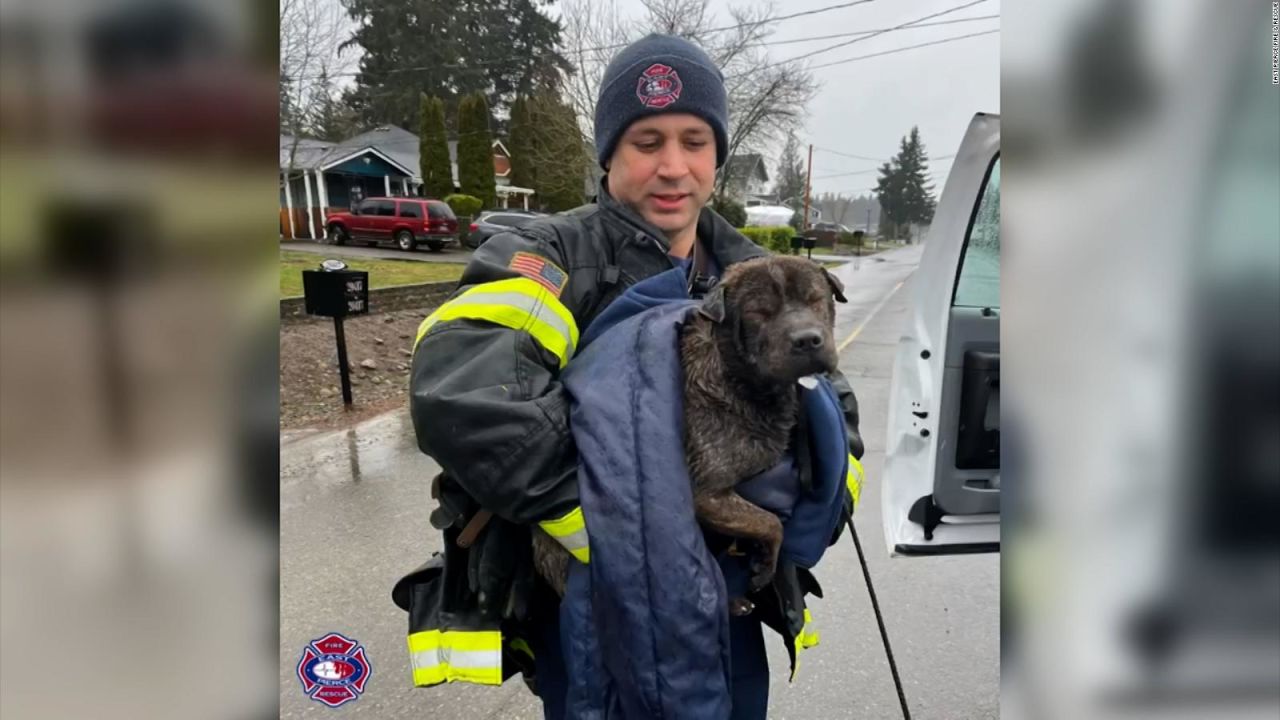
837	287
712	306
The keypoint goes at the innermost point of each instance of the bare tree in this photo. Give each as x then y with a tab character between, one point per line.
593	32
767	99
311	35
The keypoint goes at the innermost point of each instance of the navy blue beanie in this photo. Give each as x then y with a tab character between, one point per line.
660	74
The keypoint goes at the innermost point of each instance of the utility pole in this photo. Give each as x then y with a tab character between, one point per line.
808	177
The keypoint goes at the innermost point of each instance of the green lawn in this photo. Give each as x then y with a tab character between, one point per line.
382	273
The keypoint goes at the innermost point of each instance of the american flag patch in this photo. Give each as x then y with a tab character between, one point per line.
540	270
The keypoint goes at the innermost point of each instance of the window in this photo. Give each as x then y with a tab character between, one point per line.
410	210
500	219
440	211
979	282
385	208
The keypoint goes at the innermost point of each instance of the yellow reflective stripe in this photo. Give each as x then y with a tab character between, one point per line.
516	303
456	656
456	639
442	673
571	532
853	479
805	639
809	633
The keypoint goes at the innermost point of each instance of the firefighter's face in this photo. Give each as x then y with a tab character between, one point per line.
664	168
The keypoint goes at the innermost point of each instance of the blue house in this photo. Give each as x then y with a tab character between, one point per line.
318	177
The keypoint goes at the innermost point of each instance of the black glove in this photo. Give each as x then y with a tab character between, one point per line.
500	571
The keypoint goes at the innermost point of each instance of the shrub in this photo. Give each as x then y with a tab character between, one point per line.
464	205
777	239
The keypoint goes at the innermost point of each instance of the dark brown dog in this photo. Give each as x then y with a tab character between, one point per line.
769	323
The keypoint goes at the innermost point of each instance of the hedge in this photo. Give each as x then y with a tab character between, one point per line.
777	238
464	205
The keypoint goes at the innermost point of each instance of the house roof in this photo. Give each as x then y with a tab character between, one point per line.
397	144
747	165
308	155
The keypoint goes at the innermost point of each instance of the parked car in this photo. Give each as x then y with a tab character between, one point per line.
491	222
408	222
825	233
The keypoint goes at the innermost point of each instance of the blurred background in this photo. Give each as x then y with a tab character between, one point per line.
138	359
138	354
1141	559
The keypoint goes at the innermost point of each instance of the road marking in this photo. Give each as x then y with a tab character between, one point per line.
853	336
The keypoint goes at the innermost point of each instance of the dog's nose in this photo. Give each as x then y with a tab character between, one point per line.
806	340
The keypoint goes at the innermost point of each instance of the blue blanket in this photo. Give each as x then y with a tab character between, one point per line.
645	626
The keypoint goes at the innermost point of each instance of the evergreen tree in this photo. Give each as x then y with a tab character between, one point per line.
433	150
548	150
902	191
449	50
475	149
334	120
520	138
791	178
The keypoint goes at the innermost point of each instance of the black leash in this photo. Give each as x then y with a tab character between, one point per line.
884	635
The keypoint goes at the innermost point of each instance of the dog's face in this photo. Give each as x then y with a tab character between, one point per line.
774	318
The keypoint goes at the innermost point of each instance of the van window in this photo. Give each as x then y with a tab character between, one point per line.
410	210
978	284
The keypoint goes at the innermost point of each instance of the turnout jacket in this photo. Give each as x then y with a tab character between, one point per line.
486	397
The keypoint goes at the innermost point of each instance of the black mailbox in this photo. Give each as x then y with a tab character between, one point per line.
799	241
336	293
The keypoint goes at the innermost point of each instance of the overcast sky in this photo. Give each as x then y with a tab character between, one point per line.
865	107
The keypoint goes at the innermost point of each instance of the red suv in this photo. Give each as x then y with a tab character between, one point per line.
406	221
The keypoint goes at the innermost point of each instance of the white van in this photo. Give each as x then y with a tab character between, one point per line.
941	481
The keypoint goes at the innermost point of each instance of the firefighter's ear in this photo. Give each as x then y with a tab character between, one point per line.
837	287
712	306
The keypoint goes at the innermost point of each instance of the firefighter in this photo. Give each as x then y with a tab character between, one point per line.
486	398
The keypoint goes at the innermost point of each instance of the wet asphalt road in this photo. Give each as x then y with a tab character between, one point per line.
353	512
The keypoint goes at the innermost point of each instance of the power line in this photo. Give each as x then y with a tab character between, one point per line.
903	49
580	51
859	172
877	30
848	155
877	33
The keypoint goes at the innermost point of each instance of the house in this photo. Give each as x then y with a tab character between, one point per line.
324	176
745	178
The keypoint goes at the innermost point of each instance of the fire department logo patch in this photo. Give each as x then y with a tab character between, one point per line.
334	670
659	86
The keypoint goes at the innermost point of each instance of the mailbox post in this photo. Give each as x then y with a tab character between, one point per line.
800	241
336	292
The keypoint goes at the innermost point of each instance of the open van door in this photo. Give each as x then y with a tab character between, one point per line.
941	481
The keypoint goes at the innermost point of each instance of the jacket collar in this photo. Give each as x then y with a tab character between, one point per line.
714	232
